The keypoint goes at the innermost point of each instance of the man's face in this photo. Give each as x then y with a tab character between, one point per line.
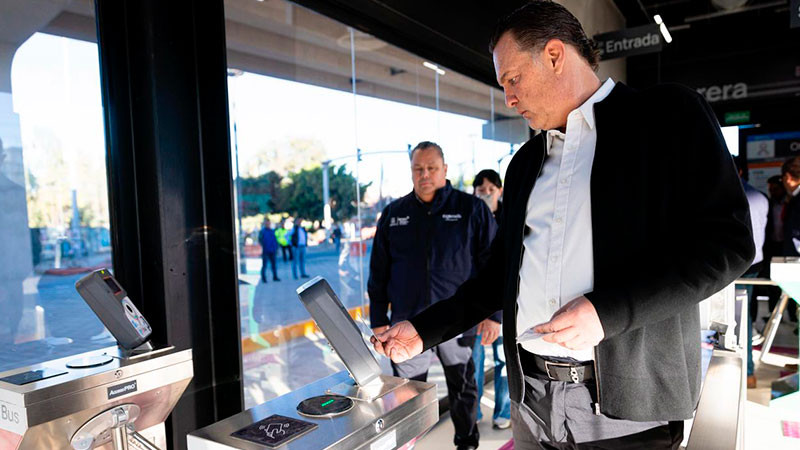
776	190
530	82
789	182
429	173
490	192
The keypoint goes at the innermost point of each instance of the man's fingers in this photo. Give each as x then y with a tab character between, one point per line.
565	335
560	321
386	335
377	344
489	337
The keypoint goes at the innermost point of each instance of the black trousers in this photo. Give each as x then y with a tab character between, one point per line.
265	257
285	250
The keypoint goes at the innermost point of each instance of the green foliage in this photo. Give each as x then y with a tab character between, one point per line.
260	194
300	194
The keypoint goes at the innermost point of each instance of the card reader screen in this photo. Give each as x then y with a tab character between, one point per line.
32	376
114	286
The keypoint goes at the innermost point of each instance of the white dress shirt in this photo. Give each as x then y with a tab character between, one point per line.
558	259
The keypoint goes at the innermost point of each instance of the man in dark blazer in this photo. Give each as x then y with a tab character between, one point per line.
599	283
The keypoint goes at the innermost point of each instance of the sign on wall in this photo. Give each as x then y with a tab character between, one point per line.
629	42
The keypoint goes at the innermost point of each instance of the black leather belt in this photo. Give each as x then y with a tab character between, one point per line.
554	370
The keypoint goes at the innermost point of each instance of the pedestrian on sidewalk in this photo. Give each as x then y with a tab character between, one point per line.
269	247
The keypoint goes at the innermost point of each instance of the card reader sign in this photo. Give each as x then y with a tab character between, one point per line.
121	389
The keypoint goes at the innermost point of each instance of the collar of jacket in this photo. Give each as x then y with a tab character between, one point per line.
439	197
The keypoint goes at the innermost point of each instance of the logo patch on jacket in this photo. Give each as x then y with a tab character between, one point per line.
399	221
451	217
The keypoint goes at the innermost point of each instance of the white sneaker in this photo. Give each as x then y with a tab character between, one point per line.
757	338
501	423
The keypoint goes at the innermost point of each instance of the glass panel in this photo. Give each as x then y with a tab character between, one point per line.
315	104
53	193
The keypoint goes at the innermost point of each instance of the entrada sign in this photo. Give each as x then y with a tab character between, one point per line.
629	42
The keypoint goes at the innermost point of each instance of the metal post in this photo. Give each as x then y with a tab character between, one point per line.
140	440
326	196
119	437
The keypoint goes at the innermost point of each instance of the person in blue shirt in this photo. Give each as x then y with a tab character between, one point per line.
299	243
269	248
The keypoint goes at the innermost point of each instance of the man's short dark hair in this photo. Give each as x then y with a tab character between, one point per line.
792	167
775	179
424	145
487	174
534	24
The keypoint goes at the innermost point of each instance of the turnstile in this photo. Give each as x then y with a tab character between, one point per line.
106	398
353	409
381	424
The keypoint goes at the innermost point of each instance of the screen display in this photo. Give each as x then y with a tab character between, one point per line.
32	376
113	285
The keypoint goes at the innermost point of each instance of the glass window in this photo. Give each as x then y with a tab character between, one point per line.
53	194
322	120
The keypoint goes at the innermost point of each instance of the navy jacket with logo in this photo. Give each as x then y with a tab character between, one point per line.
422	253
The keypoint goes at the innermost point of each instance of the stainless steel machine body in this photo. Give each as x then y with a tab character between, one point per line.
385	423
135	392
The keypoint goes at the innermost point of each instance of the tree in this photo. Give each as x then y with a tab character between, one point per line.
303	193
284	157
261	194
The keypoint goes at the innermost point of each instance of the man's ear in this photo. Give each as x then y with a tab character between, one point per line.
555	54
445	170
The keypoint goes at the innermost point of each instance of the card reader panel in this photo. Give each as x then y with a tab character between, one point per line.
110	302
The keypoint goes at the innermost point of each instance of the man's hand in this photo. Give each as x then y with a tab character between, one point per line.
380	329
489	331
400	342
575	326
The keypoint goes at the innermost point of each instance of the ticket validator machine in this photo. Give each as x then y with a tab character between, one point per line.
359	408
113	398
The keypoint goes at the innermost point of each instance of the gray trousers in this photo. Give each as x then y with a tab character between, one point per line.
560	415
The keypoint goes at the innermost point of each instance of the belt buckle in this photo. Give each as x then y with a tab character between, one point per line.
547	365
573	370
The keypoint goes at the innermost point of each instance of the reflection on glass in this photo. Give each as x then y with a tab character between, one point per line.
53	194
322	118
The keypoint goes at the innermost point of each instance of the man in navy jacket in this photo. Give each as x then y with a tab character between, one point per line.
619	272
427	244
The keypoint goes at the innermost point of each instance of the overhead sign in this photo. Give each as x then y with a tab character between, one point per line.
794	11
629	42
